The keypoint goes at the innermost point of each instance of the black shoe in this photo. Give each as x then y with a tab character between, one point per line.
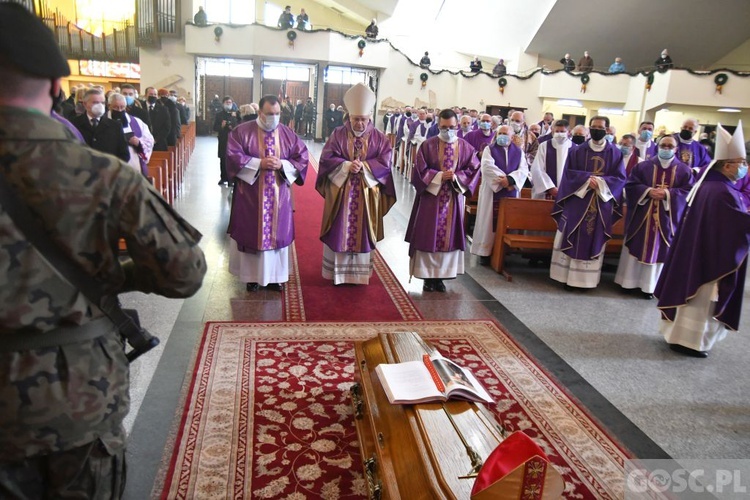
688	351
429	286
222	183
439	286
485	260
648	296
276	287
252	287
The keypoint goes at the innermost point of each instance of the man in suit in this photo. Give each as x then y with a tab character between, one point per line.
159	118
135	107
99	132
174	117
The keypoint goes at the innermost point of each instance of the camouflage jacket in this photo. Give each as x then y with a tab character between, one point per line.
58	398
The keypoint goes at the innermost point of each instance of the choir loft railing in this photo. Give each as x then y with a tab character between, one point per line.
156	19
77	43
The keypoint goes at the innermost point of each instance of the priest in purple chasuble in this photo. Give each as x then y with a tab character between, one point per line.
691	153
445	171
657	190
355	180
701	287
547	169
482	137
504	171
264	159
587	205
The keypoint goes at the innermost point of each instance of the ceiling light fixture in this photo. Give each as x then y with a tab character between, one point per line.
729	110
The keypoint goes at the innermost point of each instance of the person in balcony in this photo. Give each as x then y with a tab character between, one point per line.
499	69
476	65
664	62
617	66
200	18
585	64
424	63
303	20
568	63
286	19
372	29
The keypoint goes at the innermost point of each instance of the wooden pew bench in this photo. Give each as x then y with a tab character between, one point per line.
526	226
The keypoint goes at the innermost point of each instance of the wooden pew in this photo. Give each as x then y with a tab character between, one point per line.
158	170
170	177
519	216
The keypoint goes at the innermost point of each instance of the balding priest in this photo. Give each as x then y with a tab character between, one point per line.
445	171
355	180
264	159
702	284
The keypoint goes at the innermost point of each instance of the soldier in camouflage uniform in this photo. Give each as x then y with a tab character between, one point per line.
63	373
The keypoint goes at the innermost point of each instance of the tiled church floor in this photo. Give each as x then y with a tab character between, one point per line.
602	345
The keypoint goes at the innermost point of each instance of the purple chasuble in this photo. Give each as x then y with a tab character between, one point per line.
649	228
711	244
353	214
479	141
261	217
586	223
514	161
436	222
694	155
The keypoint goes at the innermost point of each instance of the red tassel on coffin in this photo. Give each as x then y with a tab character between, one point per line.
518	468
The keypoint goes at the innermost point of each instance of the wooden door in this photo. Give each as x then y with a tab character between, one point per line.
298	90
334	94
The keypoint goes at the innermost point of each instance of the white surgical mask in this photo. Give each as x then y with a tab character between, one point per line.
227	107
448	135
560	137
97	110
516	127
268	122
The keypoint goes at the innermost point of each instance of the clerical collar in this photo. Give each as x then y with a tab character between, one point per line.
598	147
684	141
640	142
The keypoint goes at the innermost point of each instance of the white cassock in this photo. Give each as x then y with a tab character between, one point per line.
266	266
694	325
146	139
631	273
541	182
347	267
439	265
484	230
574	272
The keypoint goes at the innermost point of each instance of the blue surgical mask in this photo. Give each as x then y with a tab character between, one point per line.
485	125
448	135
502	140
666	154
129	100
742	172
646	135
609	137
626	150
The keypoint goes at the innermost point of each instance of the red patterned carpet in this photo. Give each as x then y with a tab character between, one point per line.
309	297
267	412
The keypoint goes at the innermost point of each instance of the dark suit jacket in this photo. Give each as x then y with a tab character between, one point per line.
174	117
107	137
161	125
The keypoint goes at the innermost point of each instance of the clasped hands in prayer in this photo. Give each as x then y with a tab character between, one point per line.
355	166
502	181
270	163
448	175
657	193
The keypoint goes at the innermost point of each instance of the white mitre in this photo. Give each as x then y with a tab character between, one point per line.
729	146
359	100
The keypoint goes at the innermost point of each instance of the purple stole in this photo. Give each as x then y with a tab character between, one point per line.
141	156
268	189
514	159
550	162
632	162
357	149
448	157
392	121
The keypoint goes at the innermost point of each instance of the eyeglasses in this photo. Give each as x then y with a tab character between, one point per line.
738	162
445	129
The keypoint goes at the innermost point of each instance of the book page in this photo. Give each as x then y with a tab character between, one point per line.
459	381
408	382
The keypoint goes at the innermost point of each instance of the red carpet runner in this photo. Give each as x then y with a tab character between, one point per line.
309	297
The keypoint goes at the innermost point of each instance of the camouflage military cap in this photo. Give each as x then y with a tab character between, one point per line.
29	45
